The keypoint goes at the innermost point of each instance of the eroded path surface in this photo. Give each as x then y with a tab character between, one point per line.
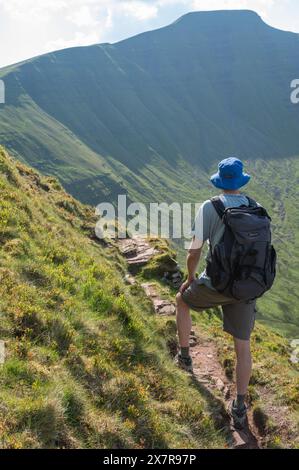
210	375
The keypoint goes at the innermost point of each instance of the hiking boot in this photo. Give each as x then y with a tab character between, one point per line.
184	362
239	416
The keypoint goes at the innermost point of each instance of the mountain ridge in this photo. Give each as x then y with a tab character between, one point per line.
244	13
216	114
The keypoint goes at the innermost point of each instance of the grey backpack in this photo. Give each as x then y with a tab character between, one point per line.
243	263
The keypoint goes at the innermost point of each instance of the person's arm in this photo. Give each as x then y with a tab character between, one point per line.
200	235
193	258
192	263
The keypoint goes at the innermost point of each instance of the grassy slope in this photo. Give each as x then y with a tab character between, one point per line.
87	362
158	181
153	117
275	186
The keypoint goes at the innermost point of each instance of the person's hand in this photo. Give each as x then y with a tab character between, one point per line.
185	285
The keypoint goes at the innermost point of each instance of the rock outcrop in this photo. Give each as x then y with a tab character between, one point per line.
139	252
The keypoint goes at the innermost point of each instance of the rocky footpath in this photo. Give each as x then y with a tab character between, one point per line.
139	252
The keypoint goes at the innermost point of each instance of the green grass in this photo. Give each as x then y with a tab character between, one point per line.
87	362
274	185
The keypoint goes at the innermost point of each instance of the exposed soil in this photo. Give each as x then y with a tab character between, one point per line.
209	373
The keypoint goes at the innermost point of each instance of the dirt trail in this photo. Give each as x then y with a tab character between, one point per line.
208	374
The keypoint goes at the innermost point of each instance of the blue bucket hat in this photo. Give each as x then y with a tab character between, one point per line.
230	175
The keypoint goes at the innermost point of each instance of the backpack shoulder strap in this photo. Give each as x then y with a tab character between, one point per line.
252	202
218	206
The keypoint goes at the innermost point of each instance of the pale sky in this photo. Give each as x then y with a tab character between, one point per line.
32	27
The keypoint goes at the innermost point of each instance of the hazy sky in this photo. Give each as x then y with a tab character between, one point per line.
32	27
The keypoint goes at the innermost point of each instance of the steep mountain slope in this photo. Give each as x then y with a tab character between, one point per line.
104	117
151	115
87	361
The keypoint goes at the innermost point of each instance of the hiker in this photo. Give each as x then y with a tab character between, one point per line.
240	268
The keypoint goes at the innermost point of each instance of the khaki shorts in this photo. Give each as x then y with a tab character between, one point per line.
238	317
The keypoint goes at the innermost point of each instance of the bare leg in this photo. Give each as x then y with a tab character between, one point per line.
183	321
244	365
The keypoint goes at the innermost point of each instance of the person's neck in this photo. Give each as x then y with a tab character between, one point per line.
232	192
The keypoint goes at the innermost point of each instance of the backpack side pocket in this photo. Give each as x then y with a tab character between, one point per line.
270	268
